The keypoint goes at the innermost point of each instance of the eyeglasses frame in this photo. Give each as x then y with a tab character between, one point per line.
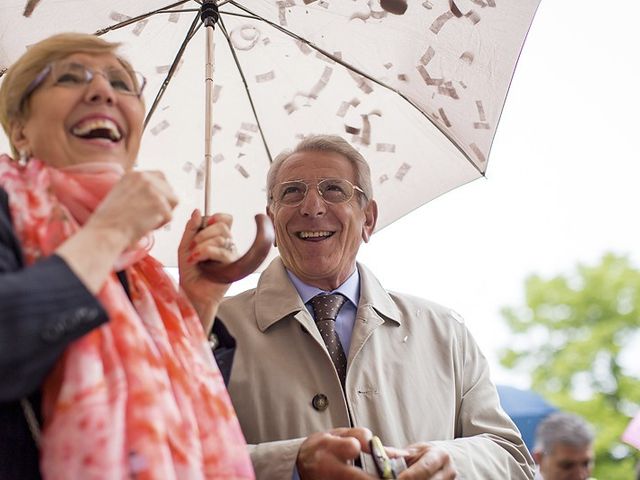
41	77
355	188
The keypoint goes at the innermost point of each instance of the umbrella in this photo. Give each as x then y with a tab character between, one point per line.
418	87
526	408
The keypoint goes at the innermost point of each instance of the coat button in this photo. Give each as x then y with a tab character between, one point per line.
320	402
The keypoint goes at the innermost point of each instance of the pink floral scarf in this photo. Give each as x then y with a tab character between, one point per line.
139	397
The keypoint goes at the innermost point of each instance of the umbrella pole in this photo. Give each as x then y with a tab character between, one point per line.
250	261
210	16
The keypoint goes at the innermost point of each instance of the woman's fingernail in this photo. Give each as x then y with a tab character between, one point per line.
191	259
211	221
192	245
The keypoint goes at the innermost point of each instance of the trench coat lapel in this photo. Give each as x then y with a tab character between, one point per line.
375	308
274	283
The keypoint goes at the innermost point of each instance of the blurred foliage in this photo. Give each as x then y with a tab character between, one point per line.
571	337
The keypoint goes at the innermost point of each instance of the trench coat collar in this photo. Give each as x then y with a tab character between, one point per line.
373	296
277	298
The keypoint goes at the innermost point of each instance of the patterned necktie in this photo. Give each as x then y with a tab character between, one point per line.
325	309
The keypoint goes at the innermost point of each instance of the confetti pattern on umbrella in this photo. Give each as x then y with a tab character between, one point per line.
417	87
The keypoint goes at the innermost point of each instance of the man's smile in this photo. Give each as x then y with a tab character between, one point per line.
314	235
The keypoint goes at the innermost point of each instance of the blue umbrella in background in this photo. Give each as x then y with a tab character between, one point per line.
526	408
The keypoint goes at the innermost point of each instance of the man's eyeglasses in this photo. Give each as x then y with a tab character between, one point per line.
76	75
332	190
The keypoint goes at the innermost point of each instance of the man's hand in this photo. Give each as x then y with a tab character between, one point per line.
327	455
428	462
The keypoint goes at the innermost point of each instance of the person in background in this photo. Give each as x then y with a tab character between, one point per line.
563	448
324	355
105	371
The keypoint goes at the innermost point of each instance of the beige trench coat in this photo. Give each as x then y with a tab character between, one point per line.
414	374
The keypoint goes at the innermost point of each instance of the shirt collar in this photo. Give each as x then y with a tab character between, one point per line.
350	288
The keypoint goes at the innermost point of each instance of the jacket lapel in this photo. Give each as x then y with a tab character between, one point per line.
375	308
277	299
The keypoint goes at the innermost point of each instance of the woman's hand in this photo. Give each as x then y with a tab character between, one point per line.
214	243
139	203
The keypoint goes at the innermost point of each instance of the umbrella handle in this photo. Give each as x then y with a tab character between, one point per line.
249	262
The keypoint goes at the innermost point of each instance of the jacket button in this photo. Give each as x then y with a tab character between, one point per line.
320	402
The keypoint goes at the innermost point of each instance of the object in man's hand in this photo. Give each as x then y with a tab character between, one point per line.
387	467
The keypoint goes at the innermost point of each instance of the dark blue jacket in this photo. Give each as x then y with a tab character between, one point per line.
42	309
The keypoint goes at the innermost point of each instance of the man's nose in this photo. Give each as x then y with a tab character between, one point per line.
313	204
582	473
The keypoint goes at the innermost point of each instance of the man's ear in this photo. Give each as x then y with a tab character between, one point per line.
270	215
370	219
537	456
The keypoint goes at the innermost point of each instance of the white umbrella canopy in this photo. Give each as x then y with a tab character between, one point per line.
419	93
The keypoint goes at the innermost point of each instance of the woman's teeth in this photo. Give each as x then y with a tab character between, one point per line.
97	128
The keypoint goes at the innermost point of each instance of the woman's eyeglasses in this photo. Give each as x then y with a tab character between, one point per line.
76	75
332	190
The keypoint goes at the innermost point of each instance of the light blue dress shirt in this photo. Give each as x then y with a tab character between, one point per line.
347	314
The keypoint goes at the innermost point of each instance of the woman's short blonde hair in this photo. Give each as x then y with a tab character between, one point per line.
19	77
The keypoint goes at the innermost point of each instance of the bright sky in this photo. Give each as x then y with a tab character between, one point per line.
562	182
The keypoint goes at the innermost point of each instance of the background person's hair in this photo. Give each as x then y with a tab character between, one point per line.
19	76
331	144
562	428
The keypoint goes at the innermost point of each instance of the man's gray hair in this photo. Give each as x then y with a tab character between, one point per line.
563	429
325	143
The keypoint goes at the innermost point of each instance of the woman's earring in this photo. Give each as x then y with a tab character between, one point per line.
23	158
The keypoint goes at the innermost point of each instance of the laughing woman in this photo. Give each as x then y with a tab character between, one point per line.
104	367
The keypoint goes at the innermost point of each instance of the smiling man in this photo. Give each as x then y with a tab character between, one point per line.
324	355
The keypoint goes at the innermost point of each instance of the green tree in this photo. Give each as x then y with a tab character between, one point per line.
572	337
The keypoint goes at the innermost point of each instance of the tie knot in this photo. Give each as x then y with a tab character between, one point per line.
326	307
